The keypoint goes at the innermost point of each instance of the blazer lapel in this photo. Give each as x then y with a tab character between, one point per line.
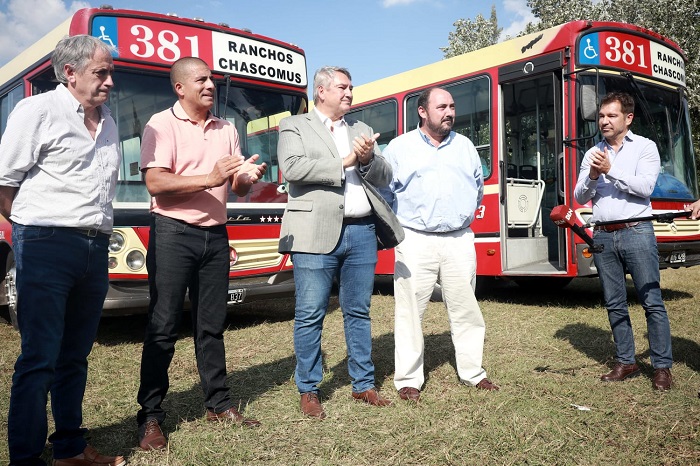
322	131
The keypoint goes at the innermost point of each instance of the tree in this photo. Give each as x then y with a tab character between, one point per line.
472	35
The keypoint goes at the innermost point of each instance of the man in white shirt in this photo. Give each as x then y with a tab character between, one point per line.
59	161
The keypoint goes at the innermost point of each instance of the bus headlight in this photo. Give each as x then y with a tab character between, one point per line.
135	260
116	242
112	262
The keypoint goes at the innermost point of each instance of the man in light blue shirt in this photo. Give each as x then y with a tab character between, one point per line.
618	175
437	186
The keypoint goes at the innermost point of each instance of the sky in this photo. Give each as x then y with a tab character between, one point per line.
372	38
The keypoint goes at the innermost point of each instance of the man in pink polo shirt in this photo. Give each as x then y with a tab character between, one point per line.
189	158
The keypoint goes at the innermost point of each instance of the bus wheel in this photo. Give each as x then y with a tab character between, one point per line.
11	290
543	283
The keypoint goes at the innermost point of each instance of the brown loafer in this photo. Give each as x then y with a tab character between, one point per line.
409	394
621	372
151	436
662	379
232	415
371	397
90	457
486	384
311	405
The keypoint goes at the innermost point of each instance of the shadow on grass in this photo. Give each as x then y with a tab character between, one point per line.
598	345
188	405
581	292
436	355
117	330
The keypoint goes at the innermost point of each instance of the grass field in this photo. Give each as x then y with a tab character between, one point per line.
546	349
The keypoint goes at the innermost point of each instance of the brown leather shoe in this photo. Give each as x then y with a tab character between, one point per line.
662	379
151	436
371	397
232	415
486	384
90	457
311	405
621	372
409	394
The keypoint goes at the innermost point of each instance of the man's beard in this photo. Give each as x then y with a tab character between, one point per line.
441	128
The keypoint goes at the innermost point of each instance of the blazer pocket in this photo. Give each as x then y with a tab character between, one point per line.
302	205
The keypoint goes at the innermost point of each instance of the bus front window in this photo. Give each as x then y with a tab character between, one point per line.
133	101
662	116
256	114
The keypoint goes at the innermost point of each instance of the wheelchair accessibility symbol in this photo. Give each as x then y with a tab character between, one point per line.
589	52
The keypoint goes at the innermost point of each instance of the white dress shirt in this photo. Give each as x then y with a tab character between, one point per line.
356	202
65	177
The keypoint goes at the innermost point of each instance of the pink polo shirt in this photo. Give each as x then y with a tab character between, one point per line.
171	140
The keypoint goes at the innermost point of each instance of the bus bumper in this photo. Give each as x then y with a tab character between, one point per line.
128	298
671	255
680	254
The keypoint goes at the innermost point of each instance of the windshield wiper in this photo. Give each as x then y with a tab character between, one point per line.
645	106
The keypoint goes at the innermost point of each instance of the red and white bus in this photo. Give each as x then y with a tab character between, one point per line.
529	105
259	81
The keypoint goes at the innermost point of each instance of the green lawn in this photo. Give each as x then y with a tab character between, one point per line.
546	350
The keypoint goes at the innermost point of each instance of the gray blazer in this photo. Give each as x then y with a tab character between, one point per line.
311	164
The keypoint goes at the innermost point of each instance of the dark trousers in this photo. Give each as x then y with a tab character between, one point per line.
62	281
182	257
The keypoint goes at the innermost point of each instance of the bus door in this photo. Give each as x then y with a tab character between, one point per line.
531	162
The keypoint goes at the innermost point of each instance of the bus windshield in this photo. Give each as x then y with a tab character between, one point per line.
661	114
256	114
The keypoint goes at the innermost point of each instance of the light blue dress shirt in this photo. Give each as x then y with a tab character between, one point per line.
625	191
434	189
65	177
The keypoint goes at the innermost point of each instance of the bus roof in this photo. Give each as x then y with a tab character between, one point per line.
512	50
33	54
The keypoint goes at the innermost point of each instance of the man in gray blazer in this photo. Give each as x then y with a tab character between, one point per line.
333	167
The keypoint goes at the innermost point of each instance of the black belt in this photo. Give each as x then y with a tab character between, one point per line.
367	219
615	226
89	232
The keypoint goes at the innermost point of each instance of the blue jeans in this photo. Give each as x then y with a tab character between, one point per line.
634	251
62	282
182	257
352	262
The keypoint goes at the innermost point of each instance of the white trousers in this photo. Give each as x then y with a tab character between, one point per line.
421	260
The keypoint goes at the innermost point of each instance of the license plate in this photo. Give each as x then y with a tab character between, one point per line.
236	296
677	257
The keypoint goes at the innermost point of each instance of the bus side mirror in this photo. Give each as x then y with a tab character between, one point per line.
589	103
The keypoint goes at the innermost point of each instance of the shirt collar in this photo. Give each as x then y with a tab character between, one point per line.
77	106
425	137
181	114
629	136
327	122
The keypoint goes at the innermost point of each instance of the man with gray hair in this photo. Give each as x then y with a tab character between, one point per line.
333	167
57	187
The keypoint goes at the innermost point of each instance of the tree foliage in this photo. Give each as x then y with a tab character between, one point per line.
472	35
